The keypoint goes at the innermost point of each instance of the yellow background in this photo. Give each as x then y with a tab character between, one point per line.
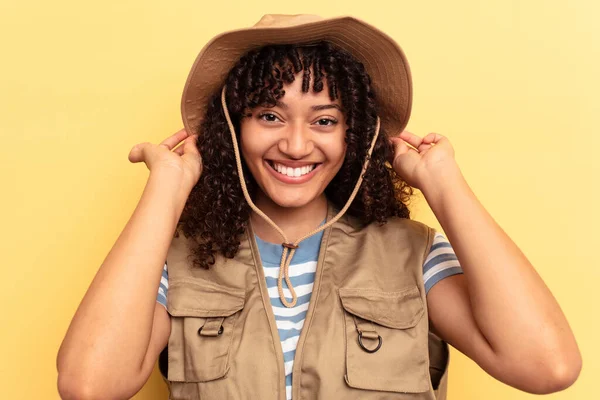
513	84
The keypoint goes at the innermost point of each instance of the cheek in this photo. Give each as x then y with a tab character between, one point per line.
245	149
249	146
336	151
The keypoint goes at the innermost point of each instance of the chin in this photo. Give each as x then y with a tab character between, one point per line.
290	201
287	196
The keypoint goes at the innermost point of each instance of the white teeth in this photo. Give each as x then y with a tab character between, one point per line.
293	172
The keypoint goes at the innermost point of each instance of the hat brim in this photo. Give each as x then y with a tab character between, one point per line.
382	57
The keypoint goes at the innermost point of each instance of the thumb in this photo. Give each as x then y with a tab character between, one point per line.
400	146
403	154
137	154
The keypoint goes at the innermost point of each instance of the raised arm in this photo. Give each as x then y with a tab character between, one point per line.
499	312
119	330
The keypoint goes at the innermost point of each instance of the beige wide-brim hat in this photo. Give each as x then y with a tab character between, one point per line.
382	57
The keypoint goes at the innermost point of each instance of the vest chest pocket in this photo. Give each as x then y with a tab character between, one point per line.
386	340
203	318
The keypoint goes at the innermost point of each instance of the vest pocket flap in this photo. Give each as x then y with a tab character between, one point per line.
397	310
200	298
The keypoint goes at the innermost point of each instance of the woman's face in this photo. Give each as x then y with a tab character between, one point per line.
294	149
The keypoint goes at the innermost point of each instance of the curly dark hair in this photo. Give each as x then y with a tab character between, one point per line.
216	212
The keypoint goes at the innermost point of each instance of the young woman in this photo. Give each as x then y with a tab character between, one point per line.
295	270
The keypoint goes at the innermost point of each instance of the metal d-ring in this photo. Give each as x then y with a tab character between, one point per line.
218	333
363	346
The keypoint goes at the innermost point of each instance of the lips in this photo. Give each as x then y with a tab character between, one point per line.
291	171
294	173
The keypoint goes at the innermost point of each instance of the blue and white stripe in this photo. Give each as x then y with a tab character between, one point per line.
163	287
289	321
440	263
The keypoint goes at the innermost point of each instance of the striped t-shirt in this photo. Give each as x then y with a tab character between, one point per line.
440	263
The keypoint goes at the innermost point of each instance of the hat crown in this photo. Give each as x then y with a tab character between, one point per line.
284	20
379	53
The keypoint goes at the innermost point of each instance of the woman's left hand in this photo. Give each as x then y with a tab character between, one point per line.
425	161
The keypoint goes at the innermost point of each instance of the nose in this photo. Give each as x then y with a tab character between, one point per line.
297	142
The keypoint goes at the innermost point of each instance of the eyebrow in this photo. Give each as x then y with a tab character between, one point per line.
319	107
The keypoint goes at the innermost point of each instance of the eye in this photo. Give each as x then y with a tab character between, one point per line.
326	122
268	117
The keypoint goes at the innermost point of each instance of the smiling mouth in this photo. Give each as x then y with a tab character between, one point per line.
292	172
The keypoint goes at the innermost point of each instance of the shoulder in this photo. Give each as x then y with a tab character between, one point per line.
396	225
392	223
417	233
394	230
410	225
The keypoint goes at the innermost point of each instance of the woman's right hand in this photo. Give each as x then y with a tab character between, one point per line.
185	158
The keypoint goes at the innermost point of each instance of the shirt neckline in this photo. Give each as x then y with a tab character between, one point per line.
271	252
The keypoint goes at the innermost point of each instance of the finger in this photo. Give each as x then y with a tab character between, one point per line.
190	147
182	149
179	150
403	146
411	138
424	147
400	146
189	144
174	139
403	149
433	138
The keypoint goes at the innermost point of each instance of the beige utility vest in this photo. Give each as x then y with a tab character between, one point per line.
368	295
